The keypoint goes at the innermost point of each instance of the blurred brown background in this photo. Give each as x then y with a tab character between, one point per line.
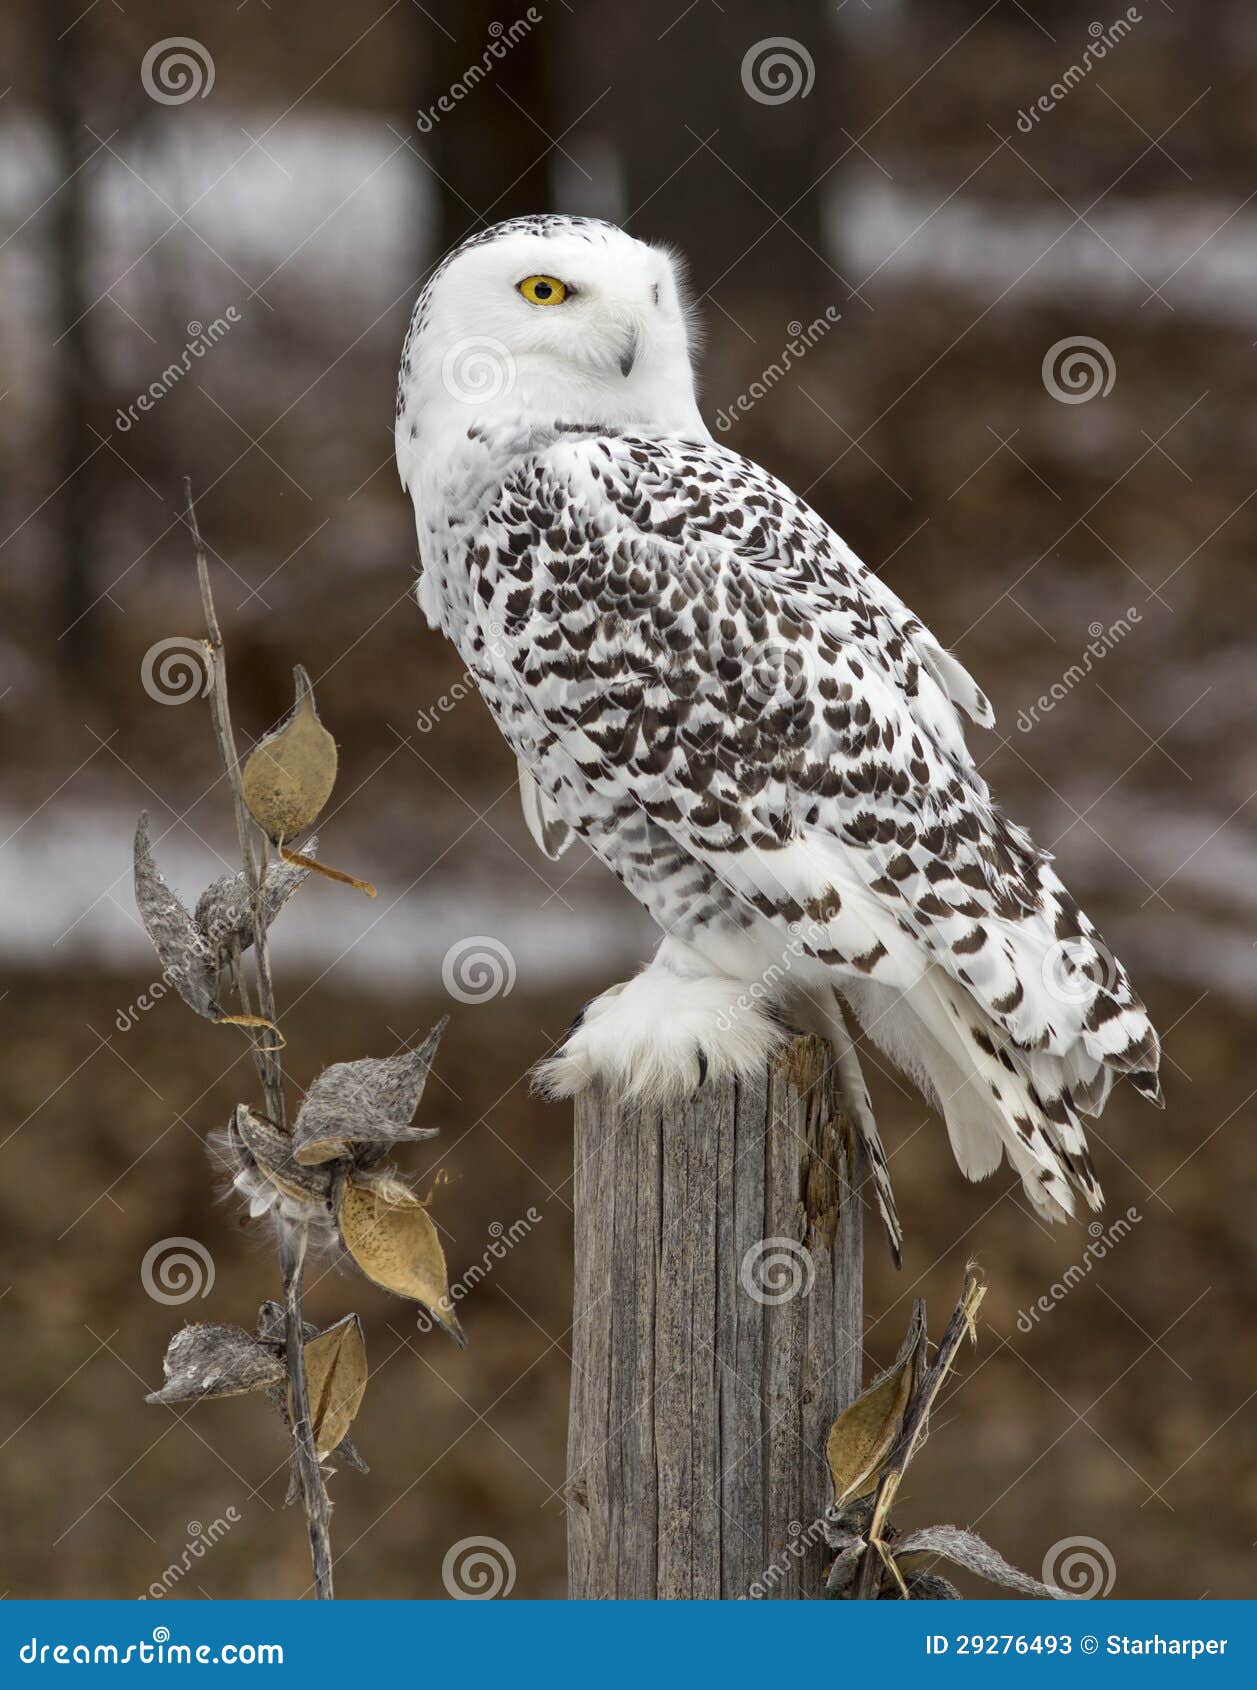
893	177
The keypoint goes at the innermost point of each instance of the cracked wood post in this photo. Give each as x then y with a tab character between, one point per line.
702	1394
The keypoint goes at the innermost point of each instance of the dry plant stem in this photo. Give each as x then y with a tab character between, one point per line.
241	982
220	711
960	1326
875	1556
292	1254
292	1240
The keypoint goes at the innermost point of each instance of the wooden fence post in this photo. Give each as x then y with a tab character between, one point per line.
717	1333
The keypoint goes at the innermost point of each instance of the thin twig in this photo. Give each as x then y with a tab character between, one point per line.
292	1238
220	711
915	1423
240	981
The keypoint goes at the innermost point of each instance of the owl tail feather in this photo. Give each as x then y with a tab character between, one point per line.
996	1099
860	1109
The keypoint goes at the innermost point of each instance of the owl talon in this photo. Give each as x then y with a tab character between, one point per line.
702	1066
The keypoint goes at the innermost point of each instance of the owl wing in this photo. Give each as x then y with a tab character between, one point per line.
688	634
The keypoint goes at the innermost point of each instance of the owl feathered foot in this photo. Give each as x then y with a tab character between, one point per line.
656	1039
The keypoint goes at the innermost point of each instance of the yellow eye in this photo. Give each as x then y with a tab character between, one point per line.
543	290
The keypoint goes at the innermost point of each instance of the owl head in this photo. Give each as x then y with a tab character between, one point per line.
550	319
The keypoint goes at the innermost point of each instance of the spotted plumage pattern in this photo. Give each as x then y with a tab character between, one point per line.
749	727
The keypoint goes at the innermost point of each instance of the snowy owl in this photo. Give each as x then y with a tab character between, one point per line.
747	725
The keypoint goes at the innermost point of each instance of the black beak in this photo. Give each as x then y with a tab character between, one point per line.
629	355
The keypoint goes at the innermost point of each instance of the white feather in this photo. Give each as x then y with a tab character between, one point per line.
545	823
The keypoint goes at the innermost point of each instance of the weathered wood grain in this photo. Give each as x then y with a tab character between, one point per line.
717	1327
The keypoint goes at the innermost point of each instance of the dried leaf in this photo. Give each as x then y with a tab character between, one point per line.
842	1573
182	951
863	1436
966	1549
930	1587
188	961
224	911
258	1143
205	1360
270	1331
289	776
270	1327
842	1526
346	1451
336	1377
390	1235
368	1102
